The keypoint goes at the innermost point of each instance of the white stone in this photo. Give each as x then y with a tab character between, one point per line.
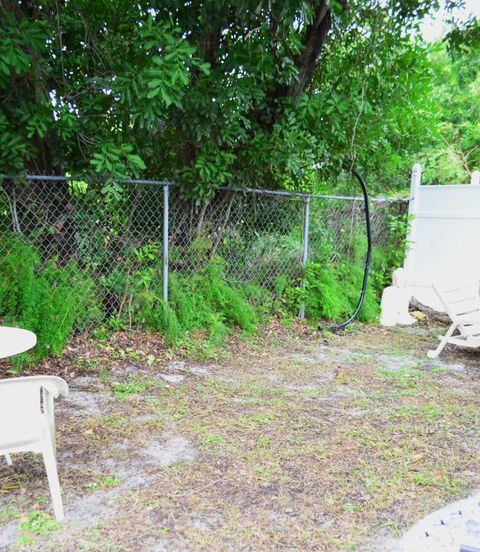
395	301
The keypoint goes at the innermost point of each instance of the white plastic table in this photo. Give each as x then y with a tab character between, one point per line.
15	340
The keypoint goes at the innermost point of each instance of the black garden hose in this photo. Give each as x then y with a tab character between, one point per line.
350	167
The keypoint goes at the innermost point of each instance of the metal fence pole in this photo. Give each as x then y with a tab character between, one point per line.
166	195
306	226
248	223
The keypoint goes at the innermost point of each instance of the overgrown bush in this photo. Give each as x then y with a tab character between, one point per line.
331	292
386	259
49	299
201	301
331	284
56	300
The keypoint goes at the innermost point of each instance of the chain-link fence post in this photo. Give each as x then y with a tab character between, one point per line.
166	196
306	227
264	237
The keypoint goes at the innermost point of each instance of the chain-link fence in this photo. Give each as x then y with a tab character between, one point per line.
104	249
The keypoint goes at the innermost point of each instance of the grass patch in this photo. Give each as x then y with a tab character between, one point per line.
405	376
36	524
125	389
103	481
214	439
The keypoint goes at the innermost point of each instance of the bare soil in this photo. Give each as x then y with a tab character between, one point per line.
287	441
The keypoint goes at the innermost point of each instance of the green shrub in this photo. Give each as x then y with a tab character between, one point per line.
323	293
201	301
262	300
224	298
351	273
331	288
386	259
352	279
47	299
154	313
56	300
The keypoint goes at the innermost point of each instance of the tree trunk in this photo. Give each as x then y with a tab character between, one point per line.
314	42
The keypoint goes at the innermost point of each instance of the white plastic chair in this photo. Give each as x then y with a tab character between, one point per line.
462	304
27	424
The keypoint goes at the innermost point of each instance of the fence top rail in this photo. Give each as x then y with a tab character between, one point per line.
55	178
380	199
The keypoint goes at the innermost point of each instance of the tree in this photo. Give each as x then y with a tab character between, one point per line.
453	153
207	92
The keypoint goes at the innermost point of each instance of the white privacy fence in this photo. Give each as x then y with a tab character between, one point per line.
443	237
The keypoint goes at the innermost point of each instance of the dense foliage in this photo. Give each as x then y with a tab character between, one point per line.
250	92
454	153
49	300
56	300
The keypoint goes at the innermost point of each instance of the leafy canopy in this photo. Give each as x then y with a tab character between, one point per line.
208	92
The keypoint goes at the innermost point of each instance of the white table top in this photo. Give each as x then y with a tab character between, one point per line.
15	340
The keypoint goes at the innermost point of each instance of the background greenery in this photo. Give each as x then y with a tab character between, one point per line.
249	93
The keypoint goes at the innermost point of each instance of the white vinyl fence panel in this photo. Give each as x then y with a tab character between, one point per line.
444	236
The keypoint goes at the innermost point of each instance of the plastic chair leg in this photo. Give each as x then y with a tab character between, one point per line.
443	342
53	481
8	459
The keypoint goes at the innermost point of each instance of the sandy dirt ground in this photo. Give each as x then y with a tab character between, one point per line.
287	441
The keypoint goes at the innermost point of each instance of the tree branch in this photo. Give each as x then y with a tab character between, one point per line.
315	37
